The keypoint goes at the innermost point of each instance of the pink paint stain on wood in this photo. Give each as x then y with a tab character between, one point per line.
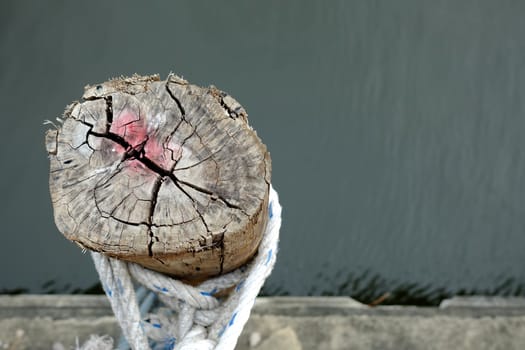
142	137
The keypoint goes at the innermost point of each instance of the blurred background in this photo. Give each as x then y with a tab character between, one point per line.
395	129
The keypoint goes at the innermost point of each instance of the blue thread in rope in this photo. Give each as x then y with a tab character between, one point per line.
161	289
269	257
232	320
221	332
210	293
170	343
239	285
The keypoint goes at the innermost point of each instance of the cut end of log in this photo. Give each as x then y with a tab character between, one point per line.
162	173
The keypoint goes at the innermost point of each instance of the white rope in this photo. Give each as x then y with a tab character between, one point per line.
191	317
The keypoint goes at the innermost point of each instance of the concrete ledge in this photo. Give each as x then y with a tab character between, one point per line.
37	322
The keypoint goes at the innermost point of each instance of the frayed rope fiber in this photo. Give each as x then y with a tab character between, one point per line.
190	317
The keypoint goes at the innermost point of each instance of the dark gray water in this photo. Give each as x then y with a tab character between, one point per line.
395	128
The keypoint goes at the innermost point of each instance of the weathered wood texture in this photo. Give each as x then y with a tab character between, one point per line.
162	173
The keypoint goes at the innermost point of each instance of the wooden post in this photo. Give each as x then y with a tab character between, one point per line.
162	173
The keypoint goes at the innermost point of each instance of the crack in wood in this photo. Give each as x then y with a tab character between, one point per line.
177	101
109	112
155	194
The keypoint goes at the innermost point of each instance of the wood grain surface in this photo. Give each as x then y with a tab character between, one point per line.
163	173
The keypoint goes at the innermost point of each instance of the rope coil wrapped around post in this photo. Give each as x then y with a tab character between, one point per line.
192	317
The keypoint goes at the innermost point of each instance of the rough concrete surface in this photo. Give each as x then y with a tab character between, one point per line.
291	323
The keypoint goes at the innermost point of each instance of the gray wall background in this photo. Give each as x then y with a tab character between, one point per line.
395	129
